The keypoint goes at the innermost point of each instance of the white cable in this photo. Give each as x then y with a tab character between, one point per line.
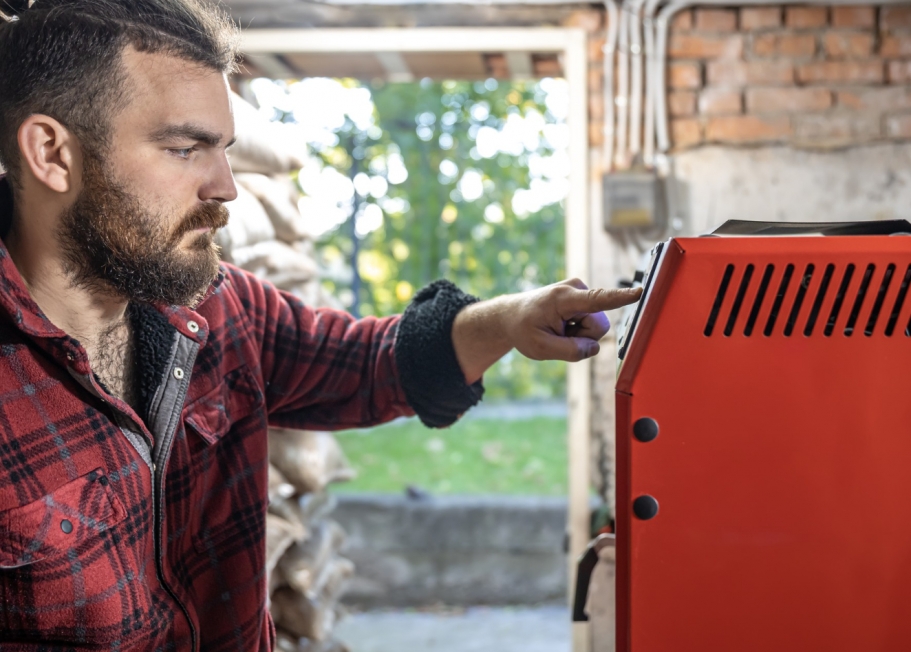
610	52
636	87
621	156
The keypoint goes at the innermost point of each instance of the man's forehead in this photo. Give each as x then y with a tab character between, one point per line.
167	90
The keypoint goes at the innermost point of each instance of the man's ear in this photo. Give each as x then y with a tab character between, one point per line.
50	152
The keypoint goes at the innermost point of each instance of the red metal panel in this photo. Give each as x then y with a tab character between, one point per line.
783	464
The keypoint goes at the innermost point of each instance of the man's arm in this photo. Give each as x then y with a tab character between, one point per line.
558	322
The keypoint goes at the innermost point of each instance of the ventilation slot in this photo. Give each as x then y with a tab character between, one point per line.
719	299
859	301
738	300
839	299
760	296
779	299
798	300
820	297
899	302
880	298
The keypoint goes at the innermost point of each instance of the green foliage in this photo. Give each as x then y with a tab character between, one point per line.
453	216
474	456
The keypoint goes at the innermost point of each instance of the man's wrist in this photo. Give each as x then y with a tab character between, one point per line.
481	335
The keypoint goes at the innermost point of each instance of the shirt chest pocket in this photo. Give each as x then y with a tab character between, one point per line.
65	520
60	574
212	415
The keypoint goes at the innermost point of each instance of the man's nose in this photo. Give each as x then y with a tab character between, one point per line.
221	186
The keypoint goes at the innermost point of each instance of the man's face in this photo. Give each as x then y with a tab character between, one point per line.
142	227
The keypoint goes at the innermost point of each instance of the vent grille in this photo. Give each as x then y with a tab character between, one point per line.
803	308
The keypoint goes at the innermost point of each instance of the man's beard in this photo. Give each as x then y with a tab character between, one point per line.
115	245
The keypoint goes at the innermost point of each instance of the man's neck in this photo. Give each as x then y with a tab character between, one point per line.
79	311
96	319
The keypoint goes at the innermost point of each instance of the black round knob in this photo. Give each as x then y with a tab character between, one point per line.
645	507
645	429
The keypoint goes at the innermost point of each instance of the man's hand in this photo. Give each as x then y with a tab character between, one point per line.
563	321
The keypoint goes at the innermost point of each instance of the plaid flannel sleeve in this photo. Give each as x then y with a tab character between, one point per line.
324	369
321	368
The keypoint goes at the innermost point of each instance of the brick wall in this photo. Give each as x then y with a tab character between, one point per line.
805	75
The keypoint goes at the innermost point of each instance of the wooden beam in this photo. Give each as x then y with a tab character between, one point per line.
396	67
520	66
430	39
578	377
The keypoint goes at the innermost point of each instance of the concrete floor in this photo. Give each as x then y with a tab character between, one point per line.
477	629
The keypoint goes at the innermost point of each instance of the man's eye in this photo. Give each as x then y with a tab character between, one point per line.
183	152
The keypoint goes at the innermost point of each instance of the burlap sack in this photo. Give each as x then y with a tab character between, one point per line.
301	616
275	261
304	564
248	224
279	487
309	460
280	535
263	146
315	507
290	226
288	643
289	509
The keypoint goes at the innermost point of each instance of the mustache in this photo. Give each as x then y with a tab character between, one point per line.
211	215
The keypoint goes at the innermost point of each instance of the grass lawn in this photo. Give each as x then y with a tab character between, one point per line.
475	456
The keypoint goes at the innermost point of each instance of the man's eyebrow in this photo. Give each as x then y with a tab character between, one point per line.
188	132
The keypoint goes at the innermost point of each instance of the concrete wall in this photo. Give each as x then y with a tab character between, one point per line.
454	550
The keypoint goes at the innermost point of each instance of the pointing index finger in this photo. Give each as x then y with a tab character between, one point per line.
599	300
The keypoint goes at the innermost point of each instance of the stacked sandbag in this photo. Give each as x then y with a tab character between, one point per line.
268	236
266	233
307	575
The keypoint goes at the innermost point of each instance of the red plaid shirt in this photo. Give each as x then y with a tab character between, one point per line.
121	531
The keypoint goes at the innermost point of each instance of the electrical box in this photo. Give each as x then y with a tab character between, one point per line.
634	200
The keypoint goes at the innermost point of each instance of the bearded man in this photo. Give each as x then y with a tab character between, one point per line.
138	375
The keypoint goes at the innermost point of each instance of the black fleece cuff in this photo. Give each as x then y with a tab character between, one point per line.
429	371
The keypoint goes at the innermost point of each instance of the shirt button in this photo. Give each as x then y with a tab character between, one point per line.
154	467
178	373
103	480
66	526
193	326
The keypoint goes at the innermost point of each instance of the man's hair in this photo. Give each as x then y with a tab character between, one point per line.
63	58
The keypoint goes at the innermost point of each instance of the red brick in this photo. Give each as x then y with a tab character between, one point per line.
848	45
595	48
702	46
684	74
716	20
720	101
895	17
681	103
898	126
682	21
875	99
896	46
771	100
749	73
860	16
748	129
752	18
588	19
836	129
851	72
784	45
899	72
686	132
806	17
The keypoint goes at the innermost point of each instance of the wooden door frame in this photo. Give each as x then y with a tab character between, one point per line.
570	44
